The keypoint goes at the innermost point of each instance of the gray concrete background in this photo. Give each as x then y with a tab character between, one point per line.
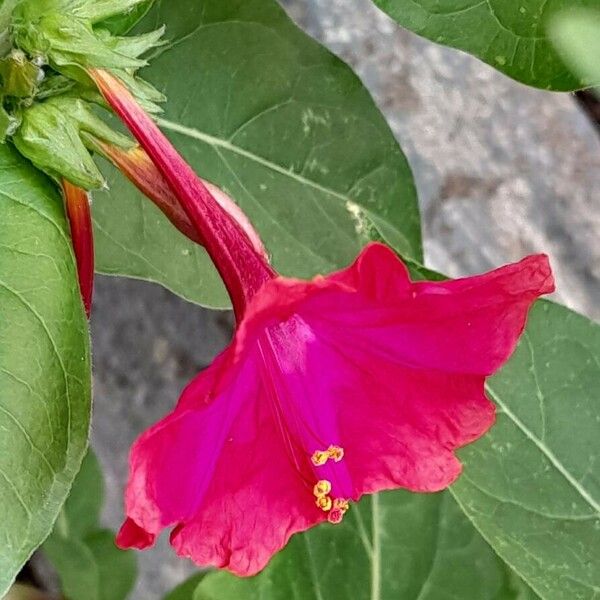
502	171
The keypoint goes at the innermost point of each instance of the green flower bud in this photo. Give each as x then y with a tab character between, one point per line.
62	33
51	136
19	77
66	40
46	111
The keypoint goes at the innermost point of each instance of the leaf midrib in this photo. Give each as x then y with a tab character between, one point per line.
218	142
547	452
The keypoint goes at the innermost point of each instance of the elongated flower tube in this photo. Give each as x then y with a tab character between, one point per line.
345	385
243	269
137	166
80	222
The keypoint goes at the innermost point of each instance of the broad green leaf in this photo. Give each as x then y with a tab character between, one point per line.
186	590
284	127
532	485
576	35
88	563
44	362
510	35
92	568
117	570
395	545
81	513
76	567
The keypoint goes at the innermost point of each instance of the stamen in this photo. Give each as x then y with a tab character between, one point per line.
320	457
336	453
342	504
324	503
322	488
336	514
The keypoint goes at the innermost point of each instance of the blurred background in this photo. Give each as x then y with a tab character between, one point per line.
502	170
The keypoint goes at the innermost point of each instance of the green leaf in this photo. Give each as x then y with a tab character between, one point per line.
44	362
576	35
81	512
285	128
117	570
76	567
510	35
88	563
394	545
186	590
531	485
92	568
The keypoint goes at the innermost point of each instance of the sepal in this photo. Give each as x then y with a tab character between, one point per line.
51	137
63	34
65	40
20	77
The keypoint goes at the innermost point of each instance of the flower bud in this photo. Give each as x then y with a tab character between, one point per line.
63	34
51	137
20	77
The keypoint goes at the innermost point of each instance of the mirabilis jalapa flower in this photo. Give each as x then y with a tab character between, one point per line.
345	385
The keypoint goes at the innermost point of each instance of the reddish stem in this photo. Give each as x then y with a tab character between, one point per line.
80	221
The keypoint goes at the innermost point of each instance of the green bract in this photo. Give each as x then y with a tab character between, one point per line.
20	77
51	138
64	34
45	86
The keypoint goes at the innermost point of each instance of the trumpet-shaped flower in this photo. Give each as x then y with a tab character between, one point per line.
345	385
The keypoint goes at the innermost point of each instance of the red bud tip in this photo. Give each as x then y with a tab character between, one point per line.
80	221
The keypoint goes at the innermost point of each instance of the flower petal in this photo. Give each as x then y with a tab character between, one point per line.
219	470
255	502
468	325
172	463
398	426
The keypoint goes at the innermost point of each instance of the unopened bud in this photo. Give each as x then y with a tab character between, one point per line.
50	136
77	204
63	32
20	77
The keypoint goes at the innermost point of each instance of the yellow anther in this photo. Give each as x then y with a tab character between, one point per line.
336	453
322	488
324	503
341	504
319	458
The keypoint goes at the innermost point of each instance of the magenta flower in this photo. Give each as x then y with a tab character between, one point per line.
333	388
